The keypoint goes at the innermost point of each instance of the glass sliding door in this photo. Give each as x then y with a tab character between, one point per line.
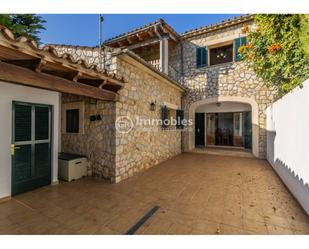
238	139
211	129
225	129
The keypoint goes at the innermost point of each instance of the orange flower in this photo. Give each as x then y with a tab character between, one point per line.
274	48
250	45
245	29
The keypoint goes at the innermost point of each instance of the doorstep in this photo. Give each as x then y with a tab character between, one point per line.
224	151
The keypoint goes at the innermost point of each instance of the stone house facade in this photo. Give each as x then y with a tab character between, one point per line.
160	68
117	155
232	79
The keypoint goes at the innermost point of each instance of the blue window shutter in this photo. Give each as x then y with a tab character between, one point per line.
201	57
238	42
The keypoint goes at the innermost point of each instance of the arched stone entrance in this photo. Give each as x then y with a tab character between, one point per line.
254	116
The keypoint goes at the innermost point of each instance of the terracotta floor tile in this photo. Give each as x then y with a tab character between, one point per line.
197	194
179	229
229	230
277	230
254	226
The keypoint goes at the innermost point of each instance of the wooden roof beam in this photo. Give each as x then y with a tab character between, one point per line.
140	38
170	34
143	44
150	33
77	76
129	40
24	76
156	30
28	63
40	65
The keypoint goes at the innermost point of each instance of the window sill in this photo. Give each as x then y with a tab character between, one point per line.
218	65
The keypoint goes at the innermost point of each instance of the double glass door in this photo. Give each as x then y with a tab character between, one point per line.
228	129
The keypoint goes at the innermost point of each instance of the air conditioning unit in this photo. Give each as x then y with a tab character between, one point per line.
71	166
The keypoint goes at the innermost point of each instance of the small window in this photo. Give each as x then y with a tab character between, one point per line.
221	55
171	118
72	121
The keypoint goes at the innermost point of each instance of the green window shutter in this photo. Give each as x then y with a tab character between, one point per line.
164	116
179	117
198	57
201	57
238	42
205	56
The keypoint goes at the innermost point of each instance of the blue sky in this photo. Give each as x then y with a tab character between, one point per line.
83	29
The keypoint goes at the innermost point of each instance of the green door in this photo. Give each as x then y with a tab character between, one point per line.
31	146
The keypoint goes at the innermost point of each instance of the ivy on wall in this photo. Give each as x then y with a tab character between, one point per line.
275	51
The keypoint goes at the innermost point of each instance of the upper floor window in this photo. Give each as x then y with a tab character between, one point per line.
221	54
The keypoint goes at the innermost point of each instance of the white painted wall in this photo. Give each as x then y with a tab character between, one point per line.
287	141
8	93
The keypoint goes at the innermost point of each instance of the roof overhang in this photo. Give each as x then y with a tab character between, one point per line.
144	35
21	61
132	58
211	28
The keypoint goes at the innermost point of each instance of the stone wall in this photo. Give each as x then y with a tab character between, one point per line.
98	139
230	79
90	55
115	155
144	146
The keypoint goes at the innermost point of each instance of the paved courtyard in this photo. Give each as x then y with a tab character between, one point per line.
197	194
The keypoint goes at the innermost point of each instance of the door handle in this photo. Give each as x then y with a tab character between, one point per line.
13	148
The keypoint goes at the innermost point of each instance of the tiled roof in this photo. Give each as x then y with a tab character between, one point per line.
30	47
145	27
216	26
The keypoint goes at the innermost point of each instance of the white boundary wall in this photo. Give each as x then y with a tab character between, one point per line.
288	141
8	93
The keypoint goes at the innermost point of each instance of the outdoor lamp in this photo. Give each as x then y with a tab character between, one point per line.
152	106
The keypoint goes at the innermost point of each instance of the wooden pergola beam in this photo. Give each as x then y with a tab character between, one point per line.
24	76
170	34
77	75
40	65
140	38
143	44
150	33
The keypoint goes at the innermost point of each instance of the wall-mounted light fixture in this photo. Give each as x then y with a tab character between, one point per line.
152	106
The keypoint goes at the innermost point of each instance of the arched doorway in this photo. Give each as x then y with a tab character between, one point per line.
223	107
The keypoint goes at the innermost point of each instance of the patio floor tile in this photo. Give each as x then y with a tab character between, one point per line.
197	194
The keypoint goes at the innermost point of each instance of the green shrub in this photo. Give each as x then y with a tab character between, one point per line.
275	51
